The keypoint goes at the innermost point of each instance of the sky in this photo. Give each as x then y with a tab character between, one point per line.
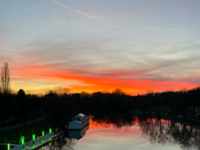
93	45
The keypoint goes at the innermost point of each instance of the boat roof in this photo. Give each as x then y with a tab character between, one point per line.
80	115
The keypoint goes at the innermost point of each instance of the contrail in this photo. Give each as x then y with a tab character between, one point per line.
119	27
91	17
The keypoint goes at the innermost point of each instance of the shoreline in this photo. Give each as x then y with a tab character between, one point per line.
170	119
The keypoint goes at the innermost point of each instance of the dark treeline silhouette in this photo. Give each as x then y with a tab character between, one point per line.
173	104
61	106
19	107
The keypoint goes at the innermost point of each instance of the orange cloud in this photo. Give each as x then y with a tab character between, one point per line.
89	82
38	76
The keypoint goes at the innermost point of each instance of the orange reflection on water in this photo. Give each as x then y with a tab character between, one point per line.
120	123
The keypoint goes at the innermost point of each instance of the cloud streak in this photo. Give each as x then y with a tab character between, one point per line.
87	15
39	21
145	28
165	29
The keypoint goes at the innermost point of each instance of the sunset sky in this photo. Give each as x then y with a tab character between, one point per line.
101	45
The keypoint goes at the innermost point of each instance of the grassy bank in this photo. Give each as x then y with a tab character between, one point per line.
26	131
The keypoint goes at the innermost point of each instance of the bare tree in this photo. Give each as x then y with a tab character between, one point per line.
5	79
1	91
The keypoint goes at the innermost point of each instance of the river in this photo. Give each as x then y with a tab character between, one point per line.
130	133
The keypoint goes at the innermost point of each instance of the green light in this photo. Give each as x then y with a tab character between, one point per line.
8	146
23	140
50	130
49	143
33	136
42	147
42	133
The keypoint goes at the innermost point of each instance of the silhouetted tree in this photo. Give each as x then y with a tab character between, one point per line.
5	91
21	93
5	79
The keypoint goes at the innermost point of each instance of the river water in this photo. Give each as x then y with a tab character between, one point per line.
131	134
109	137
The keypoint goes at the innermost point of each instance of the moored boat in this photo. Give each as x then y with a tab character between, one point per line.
79	122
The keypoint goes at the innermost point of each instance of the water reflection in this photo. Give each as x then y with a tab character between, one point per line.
62	142
117	119
78	134
154	130
161	131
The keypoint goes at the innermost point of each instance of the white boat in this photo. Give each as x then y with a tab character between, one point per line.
79	122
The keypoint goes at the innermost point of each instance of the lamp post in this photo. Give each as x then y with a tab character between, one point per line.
33	135
8	146
50	130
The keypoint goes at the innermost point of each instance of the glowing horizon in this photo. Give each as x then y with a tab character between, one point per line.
78	82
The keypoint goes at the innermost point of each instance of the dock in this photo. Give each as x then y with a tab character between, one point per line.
37	143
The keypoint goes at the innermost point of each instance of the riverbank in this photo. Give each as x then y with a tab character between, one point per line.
8	127
195	123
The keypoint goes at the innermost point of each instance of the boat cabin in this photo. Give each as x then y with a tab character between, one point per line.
79	117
